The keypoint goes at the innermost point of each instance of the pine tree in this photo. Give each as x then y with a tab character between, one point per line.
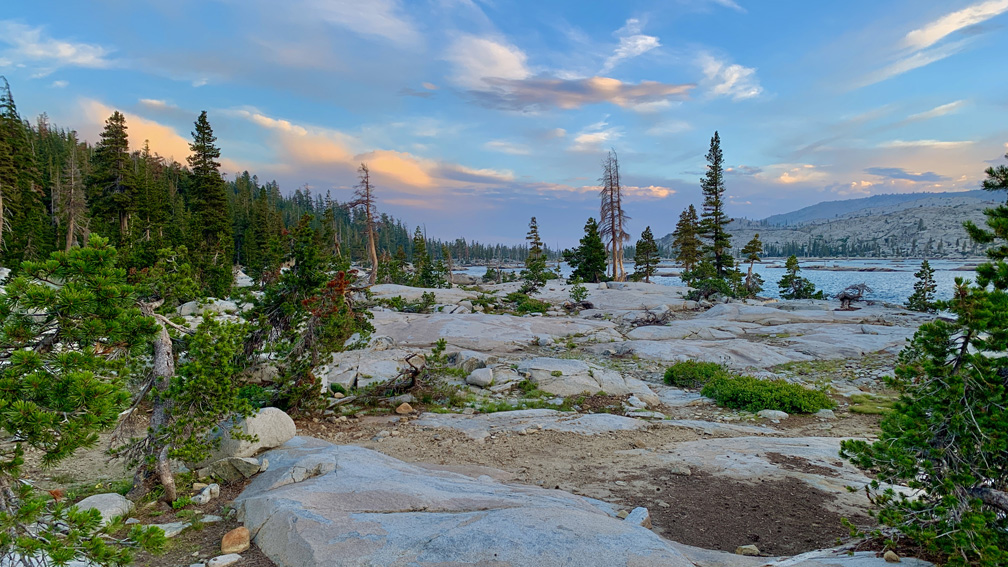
613	218
923	297
793	286
947	436
713	220
212	232
112	187
686	241
588	260
70	203
535	274
646	256
24	229
365	200
70	349
752	250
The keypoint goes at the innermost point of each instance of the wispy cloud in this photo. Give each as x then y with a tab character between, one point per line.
729	4
595	137
632	44
937	111
933	32
541	93
913	61
381	18
900	173
27	45
728	79
478	60
506	147
59	84
936	144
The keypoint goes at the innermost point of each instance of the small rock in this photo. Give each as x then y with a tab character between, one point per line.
773	414
825	414
482	377
468	411
640	516
622	514
235	541
197	486
224	560
131	521
404	409
891	557
264	465
109	505
173	529
750	550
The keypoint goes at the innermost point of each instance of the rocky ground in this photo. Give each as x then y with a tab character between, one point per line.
709	478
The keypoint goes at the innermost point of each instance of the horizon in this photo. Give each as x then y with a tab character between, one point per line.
474	118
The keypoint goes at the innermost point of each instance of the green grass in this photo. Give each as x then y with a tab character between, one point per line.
752	394
868	404
693	374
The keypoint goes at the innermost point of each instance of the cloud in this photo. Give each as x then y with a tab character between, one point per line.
797	173
463	173
59	84
649	192
728	79
28	44
935	144
478	60
743	170
399	166
937	111
379	18
406	91
506	147
668	127
595	137
913	61
932	33
900	173
157	104
163	140
632	44
542	93
729	4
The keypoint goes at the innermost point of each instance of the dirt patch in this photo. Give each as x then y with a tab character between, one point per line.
800	464
781	517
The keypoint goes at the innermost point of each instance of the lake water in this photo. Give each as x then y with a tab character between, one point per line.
888	286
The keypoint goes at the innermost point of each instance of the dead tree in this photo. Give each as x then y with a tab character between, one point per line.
852	293
364	198
613	217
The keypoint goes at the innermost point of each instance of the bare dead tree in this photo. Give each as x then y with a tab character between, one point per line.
364	198
70	196
612	228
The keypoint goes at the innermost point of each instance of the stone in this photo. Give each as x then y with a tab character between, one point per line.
109	505
640	516
173	529
825	414
482	377
748	550
567	377
773	415
231	469
372	509
224	560
206	495
404	409
235	541
271	427
213	305
265	373
891	557
380	342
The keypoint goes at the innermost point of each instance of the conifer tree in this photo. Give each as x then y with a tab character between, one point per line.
212	232
752	250
793	286
947	436
646	256
923	297
23	214
685	240
364	198
535	273
112	187
70	203
588	260
713	220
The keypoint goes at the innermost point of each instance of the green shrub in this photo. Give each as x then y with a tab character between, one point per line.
578	291
525	304
752	394
257	396
693	374
709	287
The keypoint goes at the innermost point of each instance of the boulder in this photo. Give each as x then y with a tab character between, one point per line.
224	560
271	427
371	509
235	541
197	307
231	469
770	414
109	505
482	377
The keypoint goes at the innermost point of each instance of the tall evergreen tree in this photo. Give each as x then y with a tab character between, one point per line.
24	229
752	250
588	260
646	256
923	297
212	234
535	274
713	220
686	240
112	187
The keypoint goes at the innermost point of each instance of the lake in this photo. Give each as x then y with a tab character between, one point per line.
889	286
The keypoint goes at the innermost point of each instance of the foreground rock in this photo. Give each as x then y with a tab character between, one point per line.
567	377
359	507
271	428
108	505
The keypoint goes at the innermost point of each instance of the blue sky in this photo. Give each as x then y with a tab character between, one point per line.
474	115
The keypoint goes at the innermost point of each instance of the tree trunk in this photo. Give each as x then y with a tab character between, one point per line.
991	497
163	369
373	277
70	232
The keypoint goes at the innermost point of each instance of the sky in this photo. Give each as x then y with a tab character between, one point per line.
475	115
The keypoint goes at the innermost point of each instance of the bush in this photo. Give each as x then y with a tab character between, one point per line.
752	394
525	304
578	291
709	287
693	374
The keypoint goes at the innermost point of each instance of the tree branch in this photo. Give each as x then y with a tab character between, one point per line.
991	497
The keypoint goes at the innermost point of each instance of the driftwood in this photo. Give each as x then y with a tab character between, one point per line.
852	293
408	379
